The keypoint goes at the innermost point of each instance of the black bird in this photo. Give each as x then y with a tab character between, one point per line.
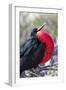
31	52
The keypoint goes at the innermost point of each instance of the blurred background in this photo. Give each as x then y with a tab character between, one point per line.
27	22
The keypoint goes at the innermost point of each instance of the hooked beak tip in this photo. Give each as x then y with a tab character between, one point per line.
41	27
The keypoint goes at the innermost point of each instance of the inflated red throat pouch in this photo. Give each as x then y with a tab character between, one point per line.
45	38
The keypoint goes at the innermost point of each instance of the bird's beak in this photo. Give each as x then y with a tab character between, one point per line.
41	27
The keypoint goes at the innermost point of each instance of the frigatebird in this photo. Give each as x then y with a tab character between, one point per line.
38	49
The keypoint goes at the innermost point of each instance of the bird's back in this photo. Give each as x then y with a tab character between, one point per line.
32	55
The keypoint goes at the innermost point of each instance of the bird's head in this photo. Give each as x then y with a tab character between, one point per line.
35	30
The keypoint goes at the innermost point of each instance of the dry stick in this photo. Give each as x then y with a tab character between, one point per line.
33	73
49	65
